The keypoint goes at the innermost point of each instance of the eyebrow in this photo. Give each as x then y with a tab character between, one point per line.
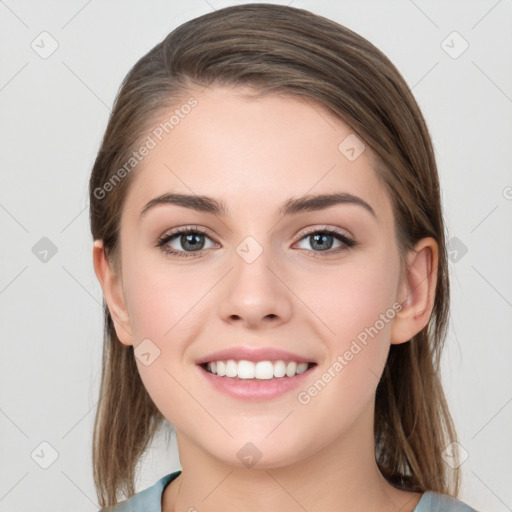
290	207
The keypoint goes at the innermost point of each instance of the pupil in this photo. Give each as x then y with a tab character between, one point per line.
193	240
320	240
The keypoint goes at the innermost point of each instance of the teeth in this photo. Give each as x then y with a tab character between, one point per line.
221	368
262	370
231	368
279	369
291	369
245	370
301	368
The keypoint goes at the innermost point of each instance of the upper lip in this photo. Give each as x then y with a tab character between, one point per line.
254	355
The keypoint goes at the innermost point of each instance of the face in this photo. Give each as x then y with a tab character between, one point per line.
260	279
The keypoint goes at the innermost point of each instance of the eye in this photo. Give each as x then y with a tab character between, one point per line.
190	241
323	240
184	242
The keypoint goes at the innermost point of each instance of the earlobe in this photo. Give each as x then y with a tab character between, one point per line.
417	291
111	284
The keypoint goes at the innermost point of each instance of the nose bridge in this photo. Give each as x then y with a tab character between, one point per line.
253	292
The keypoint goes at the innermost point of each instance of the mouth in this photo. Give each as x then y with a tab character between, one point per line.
256	381
256	370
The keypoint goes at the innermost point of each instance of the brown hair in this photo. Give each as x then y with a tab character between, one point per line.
285	50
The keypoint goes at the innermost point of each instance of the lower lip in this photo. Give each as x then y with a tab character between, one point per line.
256	389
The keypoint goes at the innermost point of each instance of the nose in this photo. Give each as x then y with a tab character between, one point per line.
256	294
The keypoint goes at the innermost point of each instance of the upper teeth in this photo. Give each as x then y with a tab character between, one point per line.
261	370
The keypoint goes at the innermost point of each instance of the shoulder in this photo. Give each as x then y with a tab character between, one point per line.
434	502
148	500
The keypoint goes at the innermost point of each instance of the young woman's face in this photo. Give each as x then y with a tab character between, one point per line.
265	276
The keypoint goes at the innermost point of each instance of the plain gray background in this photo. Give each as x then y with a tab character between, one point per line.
54	109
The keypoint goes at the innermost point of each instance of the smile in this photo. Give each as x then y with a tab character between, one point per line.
261	370
259	381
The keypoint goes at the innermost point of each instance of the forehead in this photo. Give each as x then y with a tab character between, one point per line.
253	152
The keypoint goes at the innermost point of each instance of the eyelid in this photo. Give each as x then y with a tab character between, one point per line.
301	234
346	240
320	228
165	238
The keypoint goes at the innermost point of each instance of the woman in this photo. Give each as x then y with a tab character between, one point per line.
269	240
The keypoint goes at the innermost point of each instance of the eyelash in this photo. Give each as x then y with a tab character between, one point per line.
347	242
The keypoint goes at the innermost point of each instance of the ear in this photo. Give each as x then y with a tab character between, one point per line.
417	291
112	286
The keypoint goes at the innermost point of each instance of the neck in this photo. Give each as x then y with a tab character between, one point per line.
343	476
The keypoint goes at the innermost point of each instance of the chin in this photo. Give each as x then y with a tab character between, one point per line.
257	454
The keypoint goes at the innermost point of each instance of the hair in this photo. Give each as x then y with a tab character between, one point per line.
274	49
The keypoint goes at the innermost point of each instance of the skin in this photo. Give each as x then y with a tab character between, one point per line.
254	154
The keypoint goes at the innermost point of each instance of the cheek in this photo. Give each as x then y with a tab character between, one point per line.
161	297
352	297
357	303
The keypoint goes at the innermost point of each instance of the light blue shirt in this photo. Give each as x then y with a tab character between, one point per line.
150	500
